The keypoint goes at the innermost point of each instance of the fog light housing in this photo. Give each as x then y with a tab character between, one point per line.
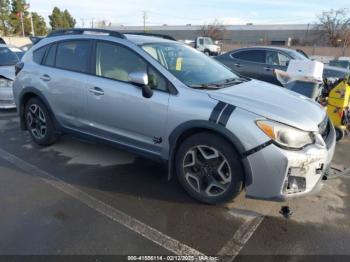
294	184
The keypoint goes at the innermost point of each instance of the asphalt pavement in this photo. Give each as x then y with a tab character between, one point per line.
81	198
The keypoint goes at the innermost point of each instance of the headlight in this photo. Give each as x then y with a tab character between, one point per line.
286	136
5	83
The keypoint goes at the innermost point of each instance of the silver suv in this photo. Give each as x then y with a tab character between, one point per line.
164	100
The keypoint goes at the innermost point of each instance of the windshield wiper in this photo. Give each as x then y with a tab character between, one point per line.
205	86
221	84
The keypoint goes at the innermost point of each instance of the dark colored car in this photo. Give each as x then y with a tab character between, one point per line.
260	62
340	63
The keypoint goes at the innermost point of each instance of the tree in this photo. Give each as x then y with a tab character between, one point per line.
68	19
335	26
39	24
4	16
56	19
215	30
59	19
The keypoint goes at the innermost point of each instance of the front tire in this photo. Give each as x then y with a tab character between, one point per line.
39	123
207	53
209	168
339	133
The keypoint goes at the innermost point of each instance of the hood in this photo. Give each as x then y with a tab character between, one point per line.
274	103
8	72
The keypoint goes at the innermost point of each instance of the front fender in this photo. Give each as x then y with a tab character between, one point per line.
190	127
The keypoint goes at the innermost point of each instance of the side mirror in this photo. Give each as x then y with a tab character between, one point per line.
141	79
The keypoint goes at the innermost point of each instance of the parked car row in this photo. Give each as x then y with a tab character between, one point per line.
217	132
260	63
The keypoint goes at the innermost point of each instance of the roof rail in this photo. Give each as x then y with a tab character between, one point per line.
151	34
81	31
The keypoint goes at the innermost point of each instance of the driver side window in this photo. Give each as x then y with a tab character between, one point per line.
116	62
276	59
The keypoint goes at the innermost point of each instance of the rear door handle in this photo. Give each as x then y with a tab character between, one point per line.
268	68
45	78
238	65
97	91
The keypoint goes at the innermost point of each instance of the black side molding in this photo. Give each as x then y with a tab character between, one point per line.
256	149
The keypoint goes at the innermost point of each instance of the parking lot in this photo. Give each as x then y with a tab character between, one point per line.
82	198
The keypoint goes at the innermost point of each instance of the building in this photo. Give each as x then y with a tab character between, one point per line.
240	34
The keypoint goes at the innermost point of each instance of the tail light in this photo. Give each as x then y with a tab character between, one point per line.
18	68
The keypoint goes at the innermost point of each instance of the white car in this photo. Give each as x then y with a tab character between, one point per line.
8	60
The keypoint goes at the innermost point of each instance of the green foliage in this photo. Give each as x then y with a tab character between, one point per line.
39	24
4	16
61	19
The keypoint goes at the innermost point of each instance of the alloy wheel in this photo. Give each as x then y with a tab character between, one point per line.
36	121
207	170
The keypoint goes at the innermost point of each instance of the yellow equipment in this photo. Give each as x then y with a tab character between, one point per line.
338	107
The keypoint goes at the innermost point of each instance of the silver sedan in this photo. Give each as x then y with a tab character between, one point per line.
8	60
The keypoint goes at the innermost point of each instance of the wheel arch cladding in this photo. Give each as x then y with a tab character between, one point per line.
26	94
190	128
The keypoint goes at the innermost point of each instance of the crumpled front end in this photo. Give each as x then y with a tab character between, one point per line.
278	174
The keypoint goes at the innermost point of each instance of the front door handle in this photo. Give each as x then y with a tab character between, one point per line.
238	65
268	68
45	78
97	91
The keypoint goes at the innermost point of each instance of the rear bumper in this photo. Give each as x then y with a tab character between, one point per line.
279	174
6	98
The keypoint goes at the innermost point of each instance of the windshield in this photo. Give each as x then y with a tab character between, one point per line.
208	41
7	57
191	67
19	54
297	56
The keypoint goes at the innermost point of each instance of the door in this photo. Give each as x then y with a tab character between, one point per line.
117	109
63	73
200	44
275	60
249	63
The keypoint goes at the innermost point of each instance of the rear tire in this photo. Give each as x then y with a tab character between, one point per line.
39	123
209	168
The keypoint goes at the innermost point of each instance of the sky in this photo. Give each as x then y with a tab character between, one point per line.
195	12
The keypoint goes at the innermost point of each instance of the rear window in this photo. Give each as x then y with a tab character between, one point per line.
7	57
51	54
73	55
257	56
38	54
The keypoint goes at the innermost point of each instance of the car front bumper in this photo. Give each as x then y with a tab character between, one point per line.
6	98
278	174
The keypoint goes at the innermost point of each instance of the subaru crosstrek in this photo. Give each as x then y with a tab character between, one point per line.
217	132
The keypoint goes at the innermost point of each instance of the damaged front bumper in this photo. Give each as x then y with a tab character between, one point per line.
6	98
278	174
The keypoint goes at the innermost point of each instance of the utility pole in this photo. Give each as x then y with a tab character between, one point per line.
144	17
92	22
22	23
32	23
82	22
